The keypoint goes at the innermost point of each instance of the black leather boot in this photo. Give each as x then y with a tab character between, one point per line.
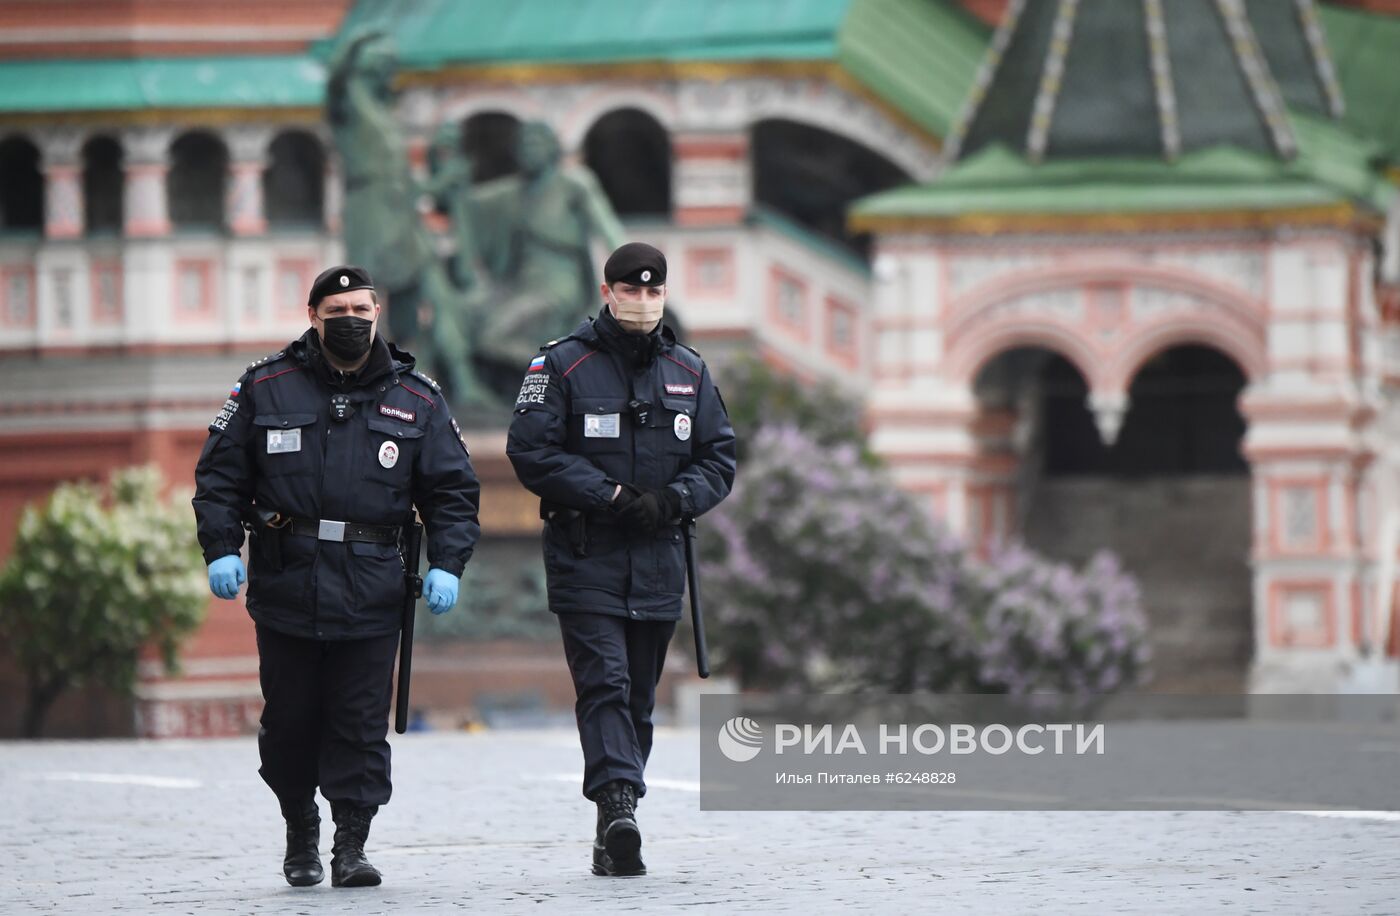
349	867
302	864
617	846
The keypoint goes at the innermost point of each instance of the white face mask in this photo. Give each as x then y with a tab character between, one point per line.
637	317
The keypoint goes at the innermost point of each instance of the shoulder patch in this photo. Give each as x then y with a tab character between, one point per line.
427	378
271	357
461	438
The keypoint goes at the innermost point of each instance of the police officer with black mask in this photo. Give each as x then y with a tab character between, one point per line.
321	451
622	434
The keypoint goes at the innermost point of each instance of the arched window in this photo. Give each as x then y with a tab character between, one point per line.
294	182
196	183
21	187
488	139
102	186
630	153
812	175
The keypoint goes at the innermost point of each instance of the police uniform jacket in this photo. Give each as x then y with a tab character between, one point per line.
573	439
274	445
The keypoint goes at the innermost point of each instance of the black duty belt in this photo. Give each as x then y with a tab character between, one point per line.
327	530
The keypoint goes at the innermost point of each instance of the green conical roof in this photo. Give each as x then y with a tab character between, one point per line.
1075	78
1135	107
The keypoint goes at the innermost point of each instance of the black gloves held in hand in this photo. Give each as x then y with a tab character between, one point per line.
648	511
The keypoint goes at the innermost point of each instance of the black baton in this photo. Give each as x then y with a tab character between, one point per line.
697	618
413	542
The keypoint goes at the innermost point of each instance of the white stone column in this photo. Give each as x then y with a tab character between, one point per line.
146	163
248	159
1310	442
61	152
711	177
333	200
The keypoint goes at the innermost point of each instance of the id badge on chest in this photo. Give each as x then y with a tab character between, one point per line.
601	426
283	440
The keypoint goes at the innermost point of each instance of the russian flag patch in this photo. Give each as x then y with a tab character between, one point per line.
237	387
537	363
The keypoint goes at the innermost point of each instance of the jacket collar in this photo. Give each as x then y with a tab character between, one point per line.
384	358
603	331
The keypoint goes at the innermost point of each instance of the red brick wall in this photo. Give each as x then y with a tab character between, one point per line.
86	28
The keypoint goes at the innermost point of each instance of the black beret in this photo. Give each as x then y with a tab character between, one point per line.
339	279
637	263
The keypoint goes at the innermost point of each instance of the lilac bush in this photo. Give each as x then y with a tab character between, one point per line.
821	574
818	570
1024	625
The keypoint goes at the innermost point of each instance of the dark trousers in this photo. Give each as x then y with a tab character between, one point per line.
325	716
615	663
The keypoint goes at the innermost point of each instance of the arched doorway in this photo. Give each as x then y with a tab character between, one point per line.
812	175
1032	421
1170	495
630	153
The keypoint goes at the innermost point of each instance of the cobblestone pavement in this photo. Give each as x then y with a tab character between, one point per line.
494	822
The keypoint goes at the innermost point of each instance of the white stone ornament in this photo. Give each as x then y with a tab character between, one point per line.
344	280
388	454
682	427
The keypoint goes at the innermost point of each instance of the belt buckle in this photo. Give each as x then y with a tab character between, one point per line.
331	531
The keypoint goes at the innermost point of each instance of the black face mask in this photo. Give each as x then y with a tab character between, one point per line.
346	336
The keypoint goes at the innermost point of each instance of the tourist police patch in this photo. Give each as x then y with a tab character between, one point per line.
221	420
533	389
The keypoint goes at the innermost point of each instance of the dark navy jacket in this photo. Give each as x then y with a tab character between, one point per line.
329	589
572	440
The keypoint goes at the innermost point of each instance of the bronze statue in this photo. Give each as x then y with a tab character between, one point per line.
532	232
383	230
522	271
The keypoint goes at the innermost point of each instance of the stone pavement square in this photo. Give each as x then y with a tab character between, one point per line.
494	822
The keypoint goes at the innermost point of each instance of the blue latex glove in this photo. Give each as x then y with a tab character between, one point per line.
440	588
225	575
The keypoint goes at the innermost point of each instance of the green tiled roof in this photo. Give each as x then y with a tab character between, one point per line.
1365	49
434	33
1332	167
996	180
918	55
176	82
921	56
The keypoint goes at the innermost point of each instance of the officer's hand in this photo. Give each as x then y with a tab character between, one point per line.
440	588
654	509
626	497
225	575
